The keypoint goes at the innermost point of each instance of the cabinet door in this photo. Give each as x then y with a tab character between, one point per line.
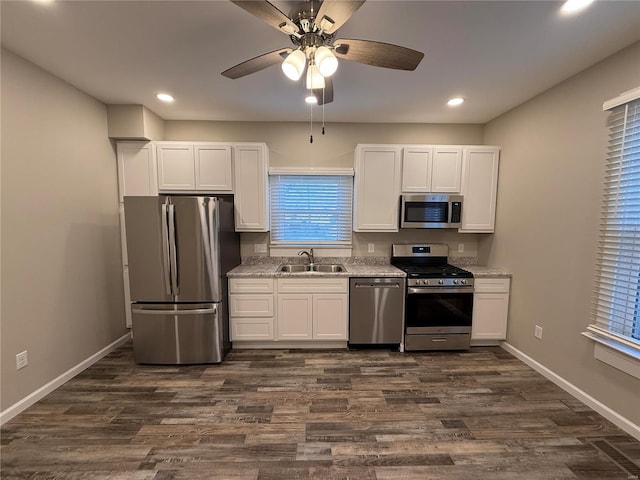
251	188
377	188
490	312
330	317
479	188
294	318
416	169
137	175
446	172
176	170
213	168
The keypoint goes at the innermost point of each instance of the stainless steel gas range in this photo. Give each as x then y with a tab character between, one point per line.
439	298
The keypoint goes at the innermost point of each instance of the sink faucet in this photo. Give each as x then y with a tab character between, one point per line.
309	255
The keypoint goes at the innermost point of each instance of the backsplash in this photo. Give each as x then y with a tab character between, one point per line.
381	242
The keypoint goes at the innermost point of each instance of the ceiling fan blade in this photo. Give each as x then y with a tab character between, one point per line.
328	92
378	54
269	13
256	64
337	12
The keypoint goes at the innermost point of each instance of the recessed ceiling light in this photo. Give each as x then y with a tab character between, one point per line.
164	97
311	99
573	6
455	101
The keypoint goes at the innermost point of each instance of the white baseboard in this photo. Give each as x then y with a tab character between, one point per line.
45	390
614	417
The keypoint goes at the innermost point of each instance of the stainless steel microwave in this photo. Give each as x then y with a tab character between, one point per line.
431	211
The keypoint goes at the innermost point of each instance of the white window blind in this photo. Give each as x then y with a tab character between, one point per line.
616	312
311	209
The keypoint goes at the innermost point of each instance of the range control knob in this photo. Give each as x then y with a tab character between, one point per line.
455	282
463	281
440	282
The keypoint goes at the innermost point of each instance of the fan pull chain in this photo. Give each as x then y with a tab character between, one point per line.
311	127
322	110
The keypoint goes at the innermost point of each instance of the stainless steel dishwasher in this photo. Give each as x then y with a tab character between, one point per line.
376	310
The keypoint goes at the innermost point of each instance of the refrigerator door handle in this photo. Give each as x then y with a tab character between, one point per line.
165	248
173	249
196	311
209	227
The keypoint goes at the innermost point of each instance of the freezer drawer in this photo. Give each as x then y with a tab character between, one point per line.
178	334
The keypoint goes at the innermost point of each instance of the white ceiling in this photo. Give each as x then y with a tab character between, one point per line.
495	54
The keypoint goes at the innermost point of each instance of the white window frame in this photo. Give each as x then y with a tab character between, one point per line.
322	248
615	313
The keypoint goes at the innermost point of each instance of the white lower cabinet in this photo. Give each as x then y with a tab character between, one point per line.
295	316
312	309
490	309
251	308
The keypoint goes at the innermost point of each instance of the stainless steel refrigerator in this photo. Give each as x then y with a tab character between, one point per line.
180	249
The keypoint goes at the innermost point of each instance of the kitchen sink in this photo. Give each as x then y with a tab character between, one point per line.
333	268
330	268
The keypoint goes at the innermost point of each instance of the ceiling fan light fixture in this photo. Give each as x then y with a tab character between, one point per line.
326	61
293	65
314	77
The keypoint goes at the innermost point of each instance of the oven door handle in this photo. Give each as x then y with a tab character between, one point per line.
428	290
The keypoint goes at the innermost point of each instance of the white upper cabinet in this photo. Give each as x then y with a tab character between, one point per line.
136	169
479	188
377	188
447	169
251	165
214	170
417	163
431	169
176	171
199	167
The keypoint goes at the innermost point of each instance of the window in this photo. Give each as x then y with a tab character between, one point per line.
616	313
311	209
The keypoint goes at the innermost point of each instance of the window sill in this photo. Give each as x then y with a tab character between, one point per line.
615	354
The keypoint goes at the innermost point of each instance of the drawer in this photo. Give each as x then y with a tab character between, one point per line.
492	285
250	305
251	285
313	285
260	328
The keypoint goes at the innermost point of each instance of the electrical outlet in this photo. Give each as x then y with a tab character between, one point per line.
538	332
371	247
22	360
460	247
260	247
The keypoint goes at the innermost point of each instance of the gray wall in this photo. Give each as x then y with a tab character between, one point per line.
549	193
61	270
289	146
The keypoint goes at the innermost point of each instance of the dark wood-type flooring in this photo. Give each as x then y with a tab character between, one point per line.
293	414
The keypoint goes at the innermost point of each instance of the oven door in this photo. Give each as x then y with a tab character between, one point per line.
438	310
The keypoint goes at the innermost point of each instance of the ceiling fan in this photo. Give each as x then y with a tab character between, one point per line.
312	26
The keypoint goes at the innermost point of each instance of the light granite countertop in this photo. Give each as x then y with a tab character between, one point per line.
486	272
267	267
352	270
